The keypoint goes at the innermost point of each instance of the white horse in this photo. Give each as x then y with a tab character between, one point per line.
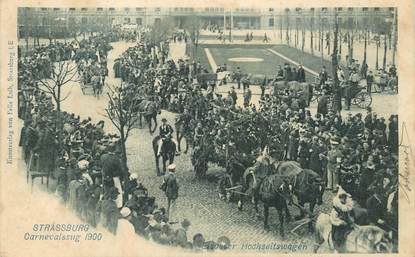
362	239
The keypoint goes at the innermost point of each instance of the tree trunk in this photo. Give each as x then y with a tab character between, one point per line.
377	52
335	64
124	163
281	29
385	49
312	36
395	38
365	49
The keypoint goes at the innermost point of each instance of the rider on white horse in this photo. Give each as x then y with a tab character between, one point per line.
166	132
340	217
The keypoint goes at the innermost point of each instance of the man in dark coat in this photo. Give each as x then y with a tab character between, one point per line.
322	106
112	168
300	74
323	76
170	188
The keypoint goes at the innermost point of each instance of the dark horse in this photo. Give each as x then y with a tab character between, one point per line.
183	131
97	85
308	188
273	191
149	109
167	153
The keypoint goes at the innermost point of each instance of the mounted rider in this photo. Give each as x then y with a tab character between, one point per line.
341	217
166	133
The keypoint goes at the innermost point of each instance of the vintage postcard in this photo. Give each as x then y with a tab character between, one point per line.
228	128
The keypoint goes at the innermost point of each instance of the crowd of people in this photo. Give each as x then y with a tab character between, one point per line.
84	160
358	152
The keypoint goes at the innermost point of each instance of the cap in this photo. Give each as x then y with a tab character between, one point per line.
172	166
164	120
125	212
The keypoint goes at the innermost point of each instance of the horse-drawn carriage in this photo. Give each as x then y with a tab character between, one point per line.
274	183
302	90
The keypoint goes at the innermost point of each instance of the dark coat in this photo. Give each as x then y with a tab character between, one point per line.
171	186
300	75
322	105
111	165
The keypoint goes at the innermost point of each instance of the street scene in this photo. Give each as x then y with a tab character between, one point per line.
216	129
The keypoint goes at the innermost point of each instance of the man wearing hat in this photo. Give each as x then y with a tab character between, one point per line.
340	217
334	157
166	133
171	188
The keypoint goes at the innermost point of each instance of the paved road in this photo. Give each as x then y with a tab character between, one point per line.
198	200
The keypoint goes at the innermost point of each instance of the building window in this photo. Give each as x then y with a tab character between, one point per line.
56	9
271	9
391	9
139	9
350	9
287	9
138	21
365	9
157	9
71	9
297	9
100	9
127	20
271	22
324	9
127	9
44	9
84	20
376	9
339	9
312	9
83	9
112	9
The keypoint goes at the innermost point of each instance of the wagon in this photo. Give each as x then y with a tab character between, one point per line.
302	89
359	96
206	79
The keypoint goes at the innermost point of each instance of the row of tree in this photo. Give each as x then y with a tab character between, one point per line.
382	32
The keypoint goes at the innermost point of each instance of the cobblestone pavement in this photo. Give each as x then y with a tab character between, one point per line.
198	200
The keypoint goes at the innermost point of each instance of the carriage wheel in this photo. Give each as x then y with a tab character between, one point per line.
365	100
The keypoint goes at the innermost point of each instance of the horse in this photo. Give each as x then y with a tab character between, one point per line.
183	131
149	109
167	153
97	85
273	192
362	239
308	188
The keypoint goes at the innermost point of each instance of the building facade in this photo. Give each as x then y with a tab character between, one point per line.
56	21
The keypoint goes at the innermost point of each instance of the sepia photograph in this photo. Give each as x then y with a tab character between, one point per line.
211	129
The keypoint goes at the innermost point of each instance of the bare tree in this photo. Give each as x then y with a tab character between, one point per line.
193	24
162	30
122	112
61	74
